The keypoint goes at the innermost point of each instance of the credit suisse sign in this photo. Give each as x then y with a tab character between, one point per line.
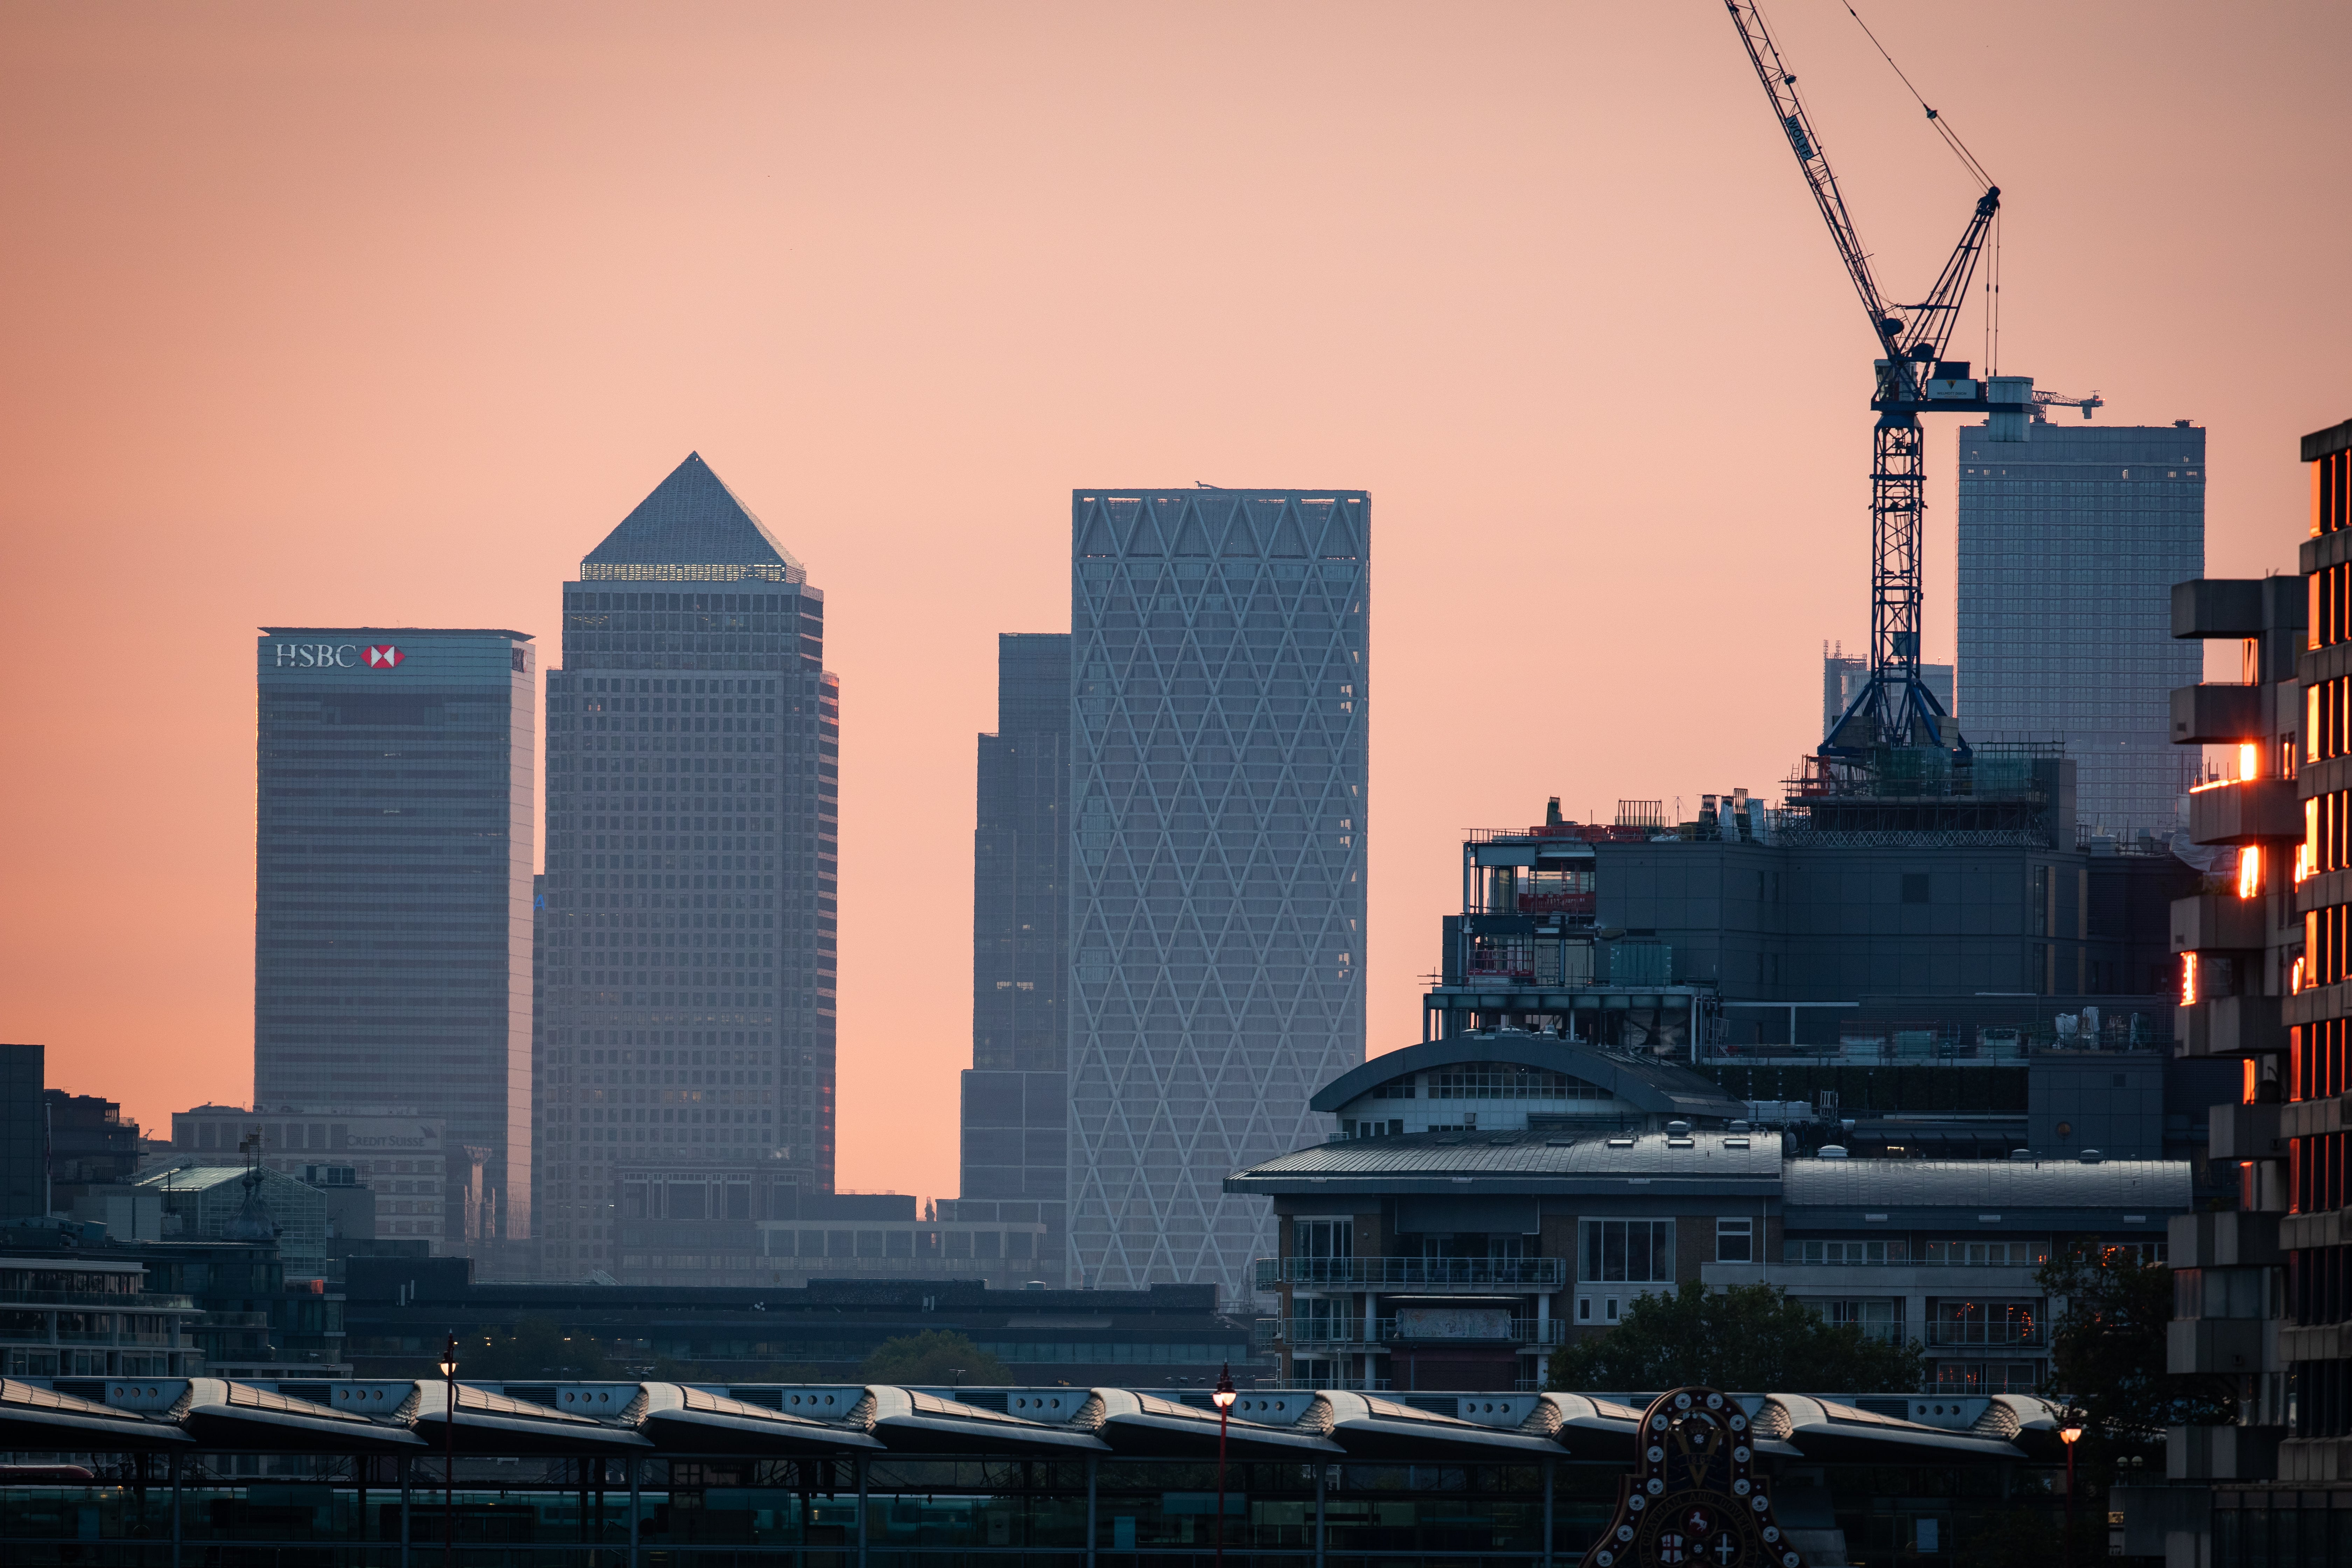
338	656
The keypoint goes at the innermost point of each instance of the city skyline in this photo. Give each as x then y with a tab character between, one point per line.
368	357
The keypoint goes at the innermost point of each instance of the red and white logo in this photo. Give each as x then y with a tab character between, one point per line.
384	656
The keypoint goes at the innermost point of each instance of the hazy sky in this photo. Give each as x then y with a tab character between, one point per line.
385	315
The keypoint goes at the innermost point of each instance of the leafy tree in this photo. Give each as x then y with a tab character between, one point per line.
935	1356
536	1347
2108	1351
1748	1337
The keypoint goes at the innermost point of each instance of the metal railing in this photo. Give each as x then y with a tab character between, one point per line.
1414	1273
106	1300
1992	1336
1384	1331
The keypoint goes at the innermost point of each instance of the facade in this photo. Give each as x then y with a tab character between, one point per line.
423	1190
692	879
24	1134
1757	932
1017	1101
210	1201
827	1328
1554	1183
392	927
2070	542
2264	986
74	1317
1843	678
1219	659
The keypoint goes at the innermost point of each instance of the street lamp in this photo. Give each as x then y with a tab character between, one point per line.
2070	1435
449	1453
1223	1398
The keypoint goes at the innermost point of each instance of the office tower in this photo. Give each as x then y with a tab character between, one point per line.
391	920
1219	659
693	856
1843	678
24	1135
1015	1096
2070	542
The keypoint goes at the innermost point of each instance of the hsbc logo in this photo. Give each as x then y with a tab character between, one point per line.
337	655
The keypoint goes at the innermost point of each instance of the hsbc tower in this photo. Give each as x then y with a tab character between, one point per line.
392	906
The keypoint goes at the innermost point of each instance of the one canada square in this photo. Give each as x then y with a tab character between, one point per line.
1218	660
693	841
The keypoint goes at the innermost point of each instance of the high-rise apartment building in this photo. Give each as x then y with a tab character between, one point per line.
1016	1098
693	826
2070	540
1220	655
391	912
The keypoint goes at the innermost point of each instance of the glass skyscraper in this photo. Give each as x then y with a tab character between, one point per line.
2070	542
1016	1095
693	831
392	891
1219	659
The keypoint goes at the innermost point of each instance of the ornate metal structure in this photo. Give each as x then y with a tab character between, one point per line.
1694	1500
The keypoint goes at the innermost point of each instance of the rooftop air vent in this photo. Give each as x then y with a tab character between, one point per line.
1833	1151
1677	1126
1621	1142
2091	1156
1739	1127
2020	1154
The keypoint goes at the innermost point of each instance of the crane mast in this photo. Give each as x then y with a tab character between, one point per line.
1909	375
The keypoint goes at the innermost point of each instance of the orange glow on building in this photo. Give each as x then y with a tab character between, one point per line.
2249	871
2249	759
2189	980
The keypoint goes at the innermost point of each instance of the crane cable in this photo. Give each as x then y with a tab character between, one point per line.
1968	161
1951	138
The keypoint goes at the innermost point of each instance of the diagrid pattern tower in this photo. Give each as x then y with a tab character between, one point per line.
1220	655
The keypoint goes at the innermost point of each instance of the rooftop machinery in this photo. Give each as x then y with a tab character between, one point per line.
1894	709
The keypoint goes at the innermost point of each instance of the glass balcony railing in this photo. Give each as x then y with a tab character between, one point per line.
1414	1273
1996	1336
1304	1332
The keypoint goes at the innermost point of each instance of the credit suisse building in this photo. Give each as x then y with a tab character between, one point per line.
393	890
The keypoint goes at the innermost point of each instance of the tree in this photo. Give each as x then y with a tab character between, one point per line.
536	1347
2107	1351
935	1356
1749	1337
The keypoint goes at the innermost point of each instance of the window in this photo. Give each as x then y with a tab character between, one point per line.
1636	1251
1504	1080
1879	1320
1734	1241
1322	1238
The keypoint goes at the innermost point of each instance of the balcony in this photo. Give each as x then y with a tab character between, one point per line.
2229	1026
1414	1273
2217	715
1376	1331
111	1301
2248	811
2244	1132
1946	1336
2214	921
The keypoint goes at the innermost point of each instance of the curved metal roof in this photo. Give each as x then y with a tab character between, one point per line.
1520	1162
218	1414
2065	1194
1644	1081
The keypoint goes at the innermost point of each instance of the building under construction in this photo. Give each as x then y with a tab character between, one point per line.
1898	907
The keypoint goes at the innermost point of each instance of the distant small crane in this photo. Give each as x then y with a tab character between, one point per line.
1893	708
2046	400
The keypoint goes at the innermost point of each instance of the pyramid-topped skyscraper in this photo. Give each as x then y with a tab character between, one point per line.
693	833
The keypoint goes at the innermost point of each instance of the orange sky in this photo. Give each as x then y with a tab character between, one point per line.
383	315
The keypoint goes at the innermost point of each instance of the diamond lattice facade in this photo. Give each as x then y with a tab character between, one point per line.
693	856
1219	659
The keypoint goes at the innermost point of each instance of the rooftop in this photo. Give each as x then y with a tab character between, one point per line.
692	519
1525	1162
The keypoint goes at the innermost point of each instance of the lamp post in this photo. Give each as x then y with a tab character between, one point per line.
449	1453
1223	1398
2070	1435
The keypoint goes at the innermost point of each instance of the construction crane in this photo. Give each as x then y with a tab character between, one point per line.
2046	400
1910	376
